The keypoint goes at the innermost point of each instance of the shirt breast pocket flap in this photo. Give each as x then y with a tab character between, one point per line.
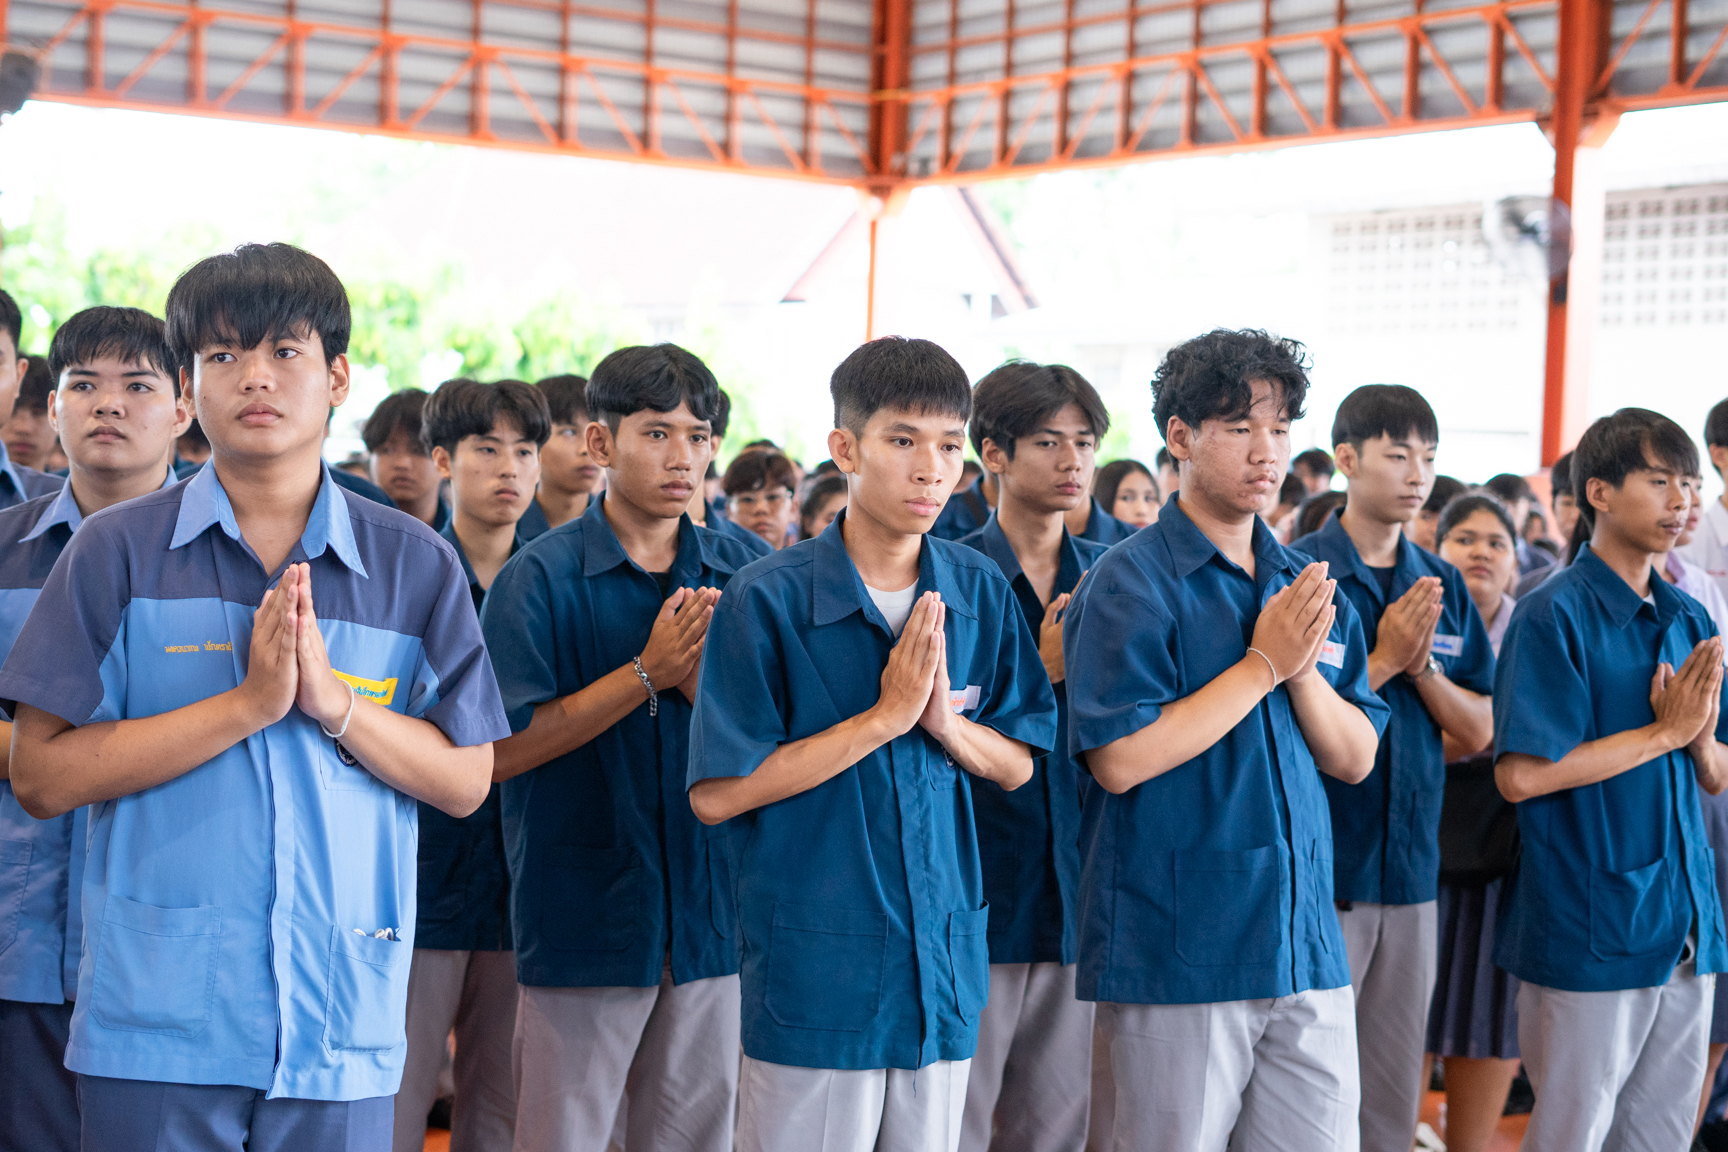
1632	913
969	955
825	966
14	875
155	968
368	993
1228	906
590	898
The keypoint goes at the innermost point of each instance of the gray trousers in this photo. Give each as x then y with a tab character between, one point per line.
475	994
1616	1070
786	1109
1394	952
1031	1077
1248	1075
673	1049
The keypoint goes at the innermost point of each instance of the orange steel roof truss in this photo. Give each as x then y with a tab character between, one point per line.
883	94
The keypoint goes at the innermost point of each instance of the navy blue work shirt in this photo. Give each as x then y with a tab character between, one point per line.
1103	528
1213	881
534	523
1611	876
1386	830
964	513
610	869
464	887
1029	839
861	900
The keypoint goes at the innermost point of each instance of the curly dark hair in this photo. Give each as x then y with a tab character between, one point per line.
1212	377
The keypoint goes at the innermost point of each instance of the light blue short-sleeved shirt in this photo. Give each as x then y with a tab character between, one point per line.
230	913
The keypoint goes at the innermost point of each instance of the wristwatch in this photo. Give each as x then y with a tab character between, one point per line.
1433	668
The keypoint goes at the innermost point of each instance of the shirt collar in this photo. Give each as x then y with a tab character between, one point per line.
10	472
996	546
1190	548
1404	558
63	509
204	502
1616	596
449	534
837	590
602	551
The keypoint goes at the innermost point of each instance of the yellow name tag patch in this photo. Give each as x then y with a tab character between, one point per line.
377	691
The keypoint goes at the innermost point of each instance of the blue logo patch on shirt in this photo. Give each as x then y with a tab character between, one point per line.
1448	645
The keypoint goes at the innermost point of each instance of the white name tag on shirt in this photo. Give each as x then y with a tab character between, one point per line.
1448	645
1332	652
964	701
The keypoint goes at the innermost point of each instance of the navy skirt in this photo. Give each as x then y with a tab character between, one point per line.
1475	1008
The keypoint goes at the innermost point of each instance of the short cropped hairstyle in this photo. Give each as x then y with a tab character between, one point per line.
37	387
1560	476
1461	508
651	377
1390	410
1715	424
255	293
565	398
129	335
463	408
1510	489
11	318
1446	489
759	469
1616	446
1212	377
1109	478
1315	460
404	409
900	374
1014	401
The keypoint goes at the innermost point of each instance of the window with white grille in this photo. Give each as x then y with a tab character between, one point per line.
1665	258
1418	271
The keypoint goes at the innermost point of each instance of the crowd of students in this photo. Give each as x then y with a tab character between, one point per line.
1185	806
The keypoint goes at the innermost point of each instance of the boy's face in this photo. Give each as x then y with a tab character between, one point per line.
903	466
1389	478
117	418
492	477
1694	510
768	512
29	437
267	401
12	368
1648	510
1565	513
1052	468
565	465
654	461
1236	466
402	468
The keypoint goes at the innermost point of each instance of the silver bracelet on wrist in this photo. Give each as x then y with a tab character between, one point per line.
653	696
1276	679
346	720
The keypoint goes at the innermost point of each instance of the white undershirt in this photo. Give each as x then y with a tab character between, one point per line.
896	607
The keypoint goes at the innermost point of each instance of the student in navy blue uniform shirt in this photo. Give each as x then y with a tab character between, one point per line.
966	509
1608	718
17	483
485	440
1430	661
118	414
708	513
853	682
1213	676
1036	427
400	463
626	948
569	478
248	891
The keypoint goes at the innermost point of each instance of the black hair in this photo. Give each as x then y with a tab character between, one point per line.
1461	508
463	408
756	469
1511	489
1391	410
1109	478
11	318
37	386
195	433
1715	424
1446	489
722	417
757	445
1163	459
129	335
899	373
1315	460
1212	377
1311	514
651	377
564	397
255	293
824	468
1560	476
1015	399
404	409
1616	446
825	489
1292	491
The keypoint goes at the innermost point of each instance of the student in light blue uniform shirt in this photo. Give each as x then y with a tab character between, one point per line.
1609	718
850	685
1430	661
1213	676
485	440
17	483
118	414
252	676
621	901
1036	427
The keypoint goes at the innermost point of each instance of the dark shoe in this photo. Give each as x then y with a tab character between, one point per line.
439	1117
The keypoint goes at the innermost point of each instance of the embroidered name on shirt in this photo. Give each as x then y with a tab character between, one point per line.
1448	645
377	691
1332	652
208	646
